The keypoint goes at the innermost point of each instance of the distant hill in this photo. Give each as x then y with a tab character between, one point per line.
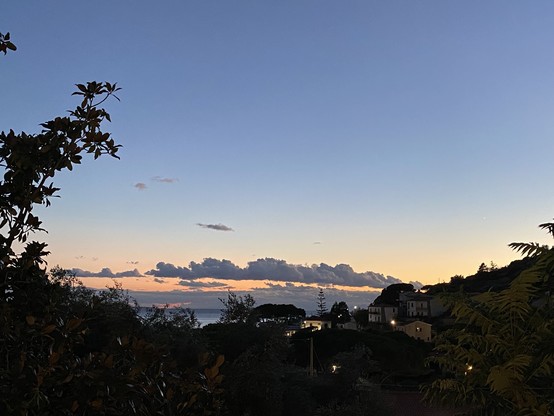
494	280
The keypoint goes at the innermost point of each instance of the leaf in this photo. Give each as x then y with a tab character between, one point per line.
54	358
211	372
528	249
30	320
96	403
73	323
48	329
108	362
549	226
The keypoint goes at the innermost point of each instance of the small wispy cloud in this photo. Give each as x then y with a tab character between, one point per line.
132	262
317	242
158	280
217	227
140	186
164	180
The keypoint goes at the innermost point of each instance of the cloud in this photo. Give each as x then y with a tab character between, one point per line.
299	295
132	262
106	272
416	284
217	227
317	242
164	180
169	270
140	186
158	280
275	270
218	269
196	283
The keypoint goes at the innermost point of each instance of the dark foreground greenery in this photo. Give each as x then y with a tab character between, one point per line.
498	359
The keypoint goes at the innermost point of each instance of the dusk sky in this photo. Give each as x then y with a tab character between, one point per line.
281	146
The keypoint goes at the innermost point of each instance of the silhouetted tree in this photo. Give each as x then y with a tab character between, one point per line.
482	268
236	309
390	294
361	316
279	311
65	349
321	304
340	312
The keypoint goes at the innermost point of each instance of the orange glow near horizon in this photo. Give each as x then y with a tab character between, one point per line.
148	283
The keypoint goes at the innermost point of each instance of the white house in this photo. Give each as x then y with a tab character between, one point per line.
382	313
414	304
415	329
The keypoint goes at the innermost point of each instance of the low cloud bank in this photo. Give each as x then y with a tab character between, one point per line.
275	270
106	272
301	296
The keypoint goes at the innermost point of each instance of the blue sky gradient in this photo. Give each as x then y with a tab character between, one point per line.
411	139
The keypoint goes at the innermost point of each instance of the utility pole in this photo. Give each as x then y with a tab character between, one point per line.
311	357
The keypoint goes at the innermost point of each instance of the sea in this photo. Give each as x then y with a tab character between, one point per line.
207	316
204	316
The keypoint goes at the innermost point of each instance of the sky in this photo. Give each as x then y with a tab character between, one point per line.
276	147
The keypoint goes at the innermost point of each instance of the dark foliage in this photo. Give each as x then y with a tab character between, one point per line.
340	313
236	309
394	351
494	280
272	311
66	350
390	294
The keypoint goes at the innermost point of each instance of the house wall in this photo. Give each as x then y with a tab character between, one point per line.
382	313
417	329
418	308
390	312
374	314
348	325
316	324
